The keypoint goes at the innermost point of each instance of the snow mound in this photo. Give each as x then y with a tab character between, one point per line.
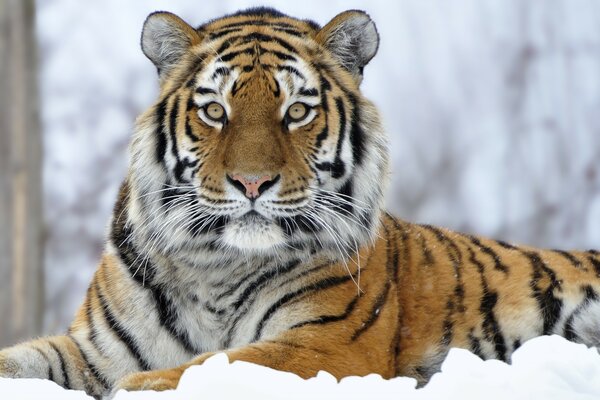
548	367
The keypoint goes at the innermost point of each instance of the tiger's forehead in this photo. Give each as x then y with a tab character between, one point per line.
258	56
243	22
282	37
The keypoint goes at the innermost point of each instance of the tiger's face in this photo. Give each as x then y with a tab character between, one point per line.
261	141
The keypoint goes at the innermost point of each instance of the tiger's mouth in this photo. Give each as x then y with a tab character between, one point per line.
253	231
254	217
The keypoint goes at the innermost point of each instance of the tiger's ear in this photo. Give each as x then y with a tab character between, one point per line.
352	38
165	39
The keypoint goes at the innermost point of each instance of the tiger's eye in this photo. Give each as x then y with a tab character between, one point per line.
215	111
297	111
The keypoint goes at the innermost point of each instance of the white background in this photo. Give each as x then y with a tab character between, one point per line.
492	108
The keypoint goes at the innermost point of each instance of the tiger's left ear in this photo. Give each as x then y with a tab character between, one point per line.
165	40
352	38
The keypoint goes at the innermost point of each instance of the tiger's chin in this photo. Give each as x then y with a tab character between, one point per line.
253	233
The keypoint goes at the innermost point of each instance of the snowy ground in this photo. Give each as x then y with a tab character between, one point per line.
548	367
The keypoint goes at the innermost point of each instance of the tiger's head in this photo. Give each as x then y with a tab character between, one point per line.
261	141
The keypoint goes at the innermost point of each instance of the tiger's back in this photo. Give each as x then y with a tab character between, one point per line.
489	296
251	222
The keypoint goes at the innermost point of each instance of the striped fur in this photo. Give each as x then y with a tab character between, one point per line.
311	275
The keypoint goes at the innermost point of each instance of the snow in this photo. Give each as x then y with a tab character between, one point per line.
548	367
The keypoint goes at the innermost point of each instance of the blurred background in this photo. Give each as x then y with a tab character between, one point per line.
492	108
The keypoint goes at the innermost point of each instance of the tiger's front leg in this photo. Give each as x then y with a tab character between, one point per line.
57	358
289	353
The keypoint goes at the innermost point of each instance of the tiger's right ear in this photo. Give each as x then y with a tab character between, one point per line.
352	38
165	39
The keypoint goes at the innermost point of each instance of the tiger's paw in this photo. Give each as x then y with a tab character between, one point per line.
160	380
9	368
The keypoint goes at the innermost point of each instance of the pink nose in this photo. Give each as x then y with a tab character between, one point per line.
252	185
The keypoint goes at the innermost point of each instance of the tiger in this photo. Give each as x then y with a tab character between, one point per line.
251	222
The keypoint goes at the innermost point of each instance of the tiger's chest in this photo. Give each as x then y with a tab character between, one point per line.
220	311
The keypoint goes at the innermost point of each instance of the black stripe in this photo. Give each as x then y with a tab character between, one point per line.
205	90
179	165
475	345
191	105
237	86
268	38
232	287
315	287
337	168
325	88
455	301
428	258
516	344
63	367
220	33
270	24
233	54
277	91
121	332
221	71
204	224
45	357
550	306
291	70
282	56
188	131
167	314
121	237
93	332
173	127
590	295
506	245
392	267
343	200
447	326
327	319
265	277
290	225
338	165
305	272
498	264
290	31
308	92
487	303
595	263
357	136
455	257
226	44
322	136
197	64
98	376
373	313
161	140
571	258
253	289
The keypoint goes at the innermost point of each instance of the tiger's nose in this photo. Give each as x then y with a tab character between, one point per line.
252	186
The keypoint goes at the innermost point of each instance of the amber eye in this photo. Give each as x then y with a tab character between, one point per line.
297	112
214	111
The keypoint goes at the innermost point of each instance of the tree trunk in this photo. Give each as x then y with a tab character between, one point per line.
21	225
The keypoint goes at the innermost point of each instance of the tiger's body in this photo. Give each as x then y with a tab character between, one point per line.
251	222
